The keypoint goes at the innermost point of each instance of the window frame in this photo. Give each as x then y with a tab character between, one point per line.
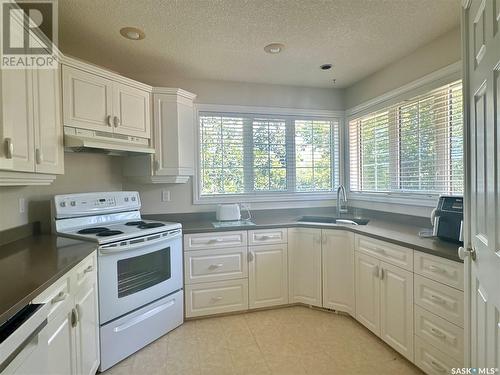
426	84
289	114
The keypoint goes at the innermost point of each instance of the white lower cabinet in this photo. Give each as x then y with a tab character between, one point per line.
268	275
73	321
304	266
338	270
432	360
216	297
384	302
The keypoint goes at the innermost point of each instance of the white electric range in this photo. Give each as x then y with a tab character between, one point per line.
139	268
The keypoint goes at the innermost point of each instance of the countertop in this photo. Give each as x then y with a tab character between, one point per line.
30	265
397	230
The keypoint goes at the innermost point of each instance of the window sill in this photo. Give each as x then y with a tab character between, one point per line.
252	198
423	200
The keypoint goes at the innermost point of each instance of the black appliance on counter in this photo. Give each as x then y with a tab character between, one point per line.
448	218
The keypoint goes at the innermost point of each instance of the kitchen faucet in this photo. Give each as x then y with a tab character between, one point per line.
341	191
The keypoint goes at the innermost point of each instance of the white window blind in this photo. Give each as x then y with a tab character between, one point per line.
247	154
412	147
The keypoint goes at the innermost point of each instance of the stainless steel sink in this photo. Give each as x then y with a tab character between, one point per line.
333	220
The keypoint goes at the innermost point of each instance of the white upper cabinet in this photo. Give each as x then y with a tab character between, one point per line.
174	140
132	110
304	266
99	100
338	270
87	100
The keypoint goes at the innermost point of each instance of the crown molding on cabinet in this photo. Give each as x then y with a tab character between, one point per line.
8	178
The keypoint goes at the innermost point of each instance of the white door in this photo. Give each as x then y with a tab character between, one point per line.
18	137
87	337
482	49
304	266
87	100
368	292
49	152
267	275
131	111
396	308
338	270
61	358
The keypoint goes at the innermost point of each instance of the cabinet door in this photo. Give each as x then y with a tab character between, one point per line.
304	266
87	100
396	308
49	153
61	356
17	128
87	336
368	292
338	270
267	275
132	109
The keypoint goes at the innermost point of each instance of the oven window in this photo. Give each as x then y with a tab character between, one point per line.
141	272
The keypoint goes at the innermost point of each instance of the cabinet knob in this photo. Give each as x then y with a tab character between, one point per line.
9	148
109	120
116	121
38	156
465	252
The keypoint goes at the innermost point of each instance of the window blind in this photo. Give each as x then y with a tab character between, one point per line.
415	146
252	154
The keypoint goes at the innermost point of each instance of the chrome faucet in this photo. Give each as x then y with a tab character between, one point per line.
341	196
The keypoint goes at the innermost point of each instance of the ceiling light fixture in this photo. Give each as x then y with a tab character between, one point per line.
132	33
326	67
274	48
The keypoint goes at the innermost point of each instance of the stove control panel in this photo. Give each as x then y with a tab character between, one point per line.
74	205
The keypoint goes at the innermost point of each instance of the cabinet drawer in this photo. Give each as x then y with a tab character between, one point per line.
58	296
215	265
398	255
440	333
442	300
432	360
438	269
86	270
215	240
216	297
267	236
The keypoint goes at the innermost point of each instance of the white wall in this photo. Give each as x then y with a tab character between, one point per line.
442	51
83	173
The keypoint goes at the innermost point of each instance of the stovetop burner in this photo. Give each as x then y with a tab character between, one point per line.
93	230
135	223
108	233
150	225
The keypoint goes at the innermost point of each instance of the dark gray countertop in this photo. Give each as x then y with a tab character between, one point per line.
29	266
399	229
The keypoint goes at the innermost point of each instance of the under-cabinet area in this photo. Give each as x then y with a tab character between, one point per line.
412	300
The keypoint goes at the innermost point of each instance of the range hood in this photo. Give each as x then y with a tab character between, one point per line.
82	140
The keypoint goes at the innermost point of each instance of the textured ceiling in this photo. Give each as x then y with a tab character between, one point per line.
224	39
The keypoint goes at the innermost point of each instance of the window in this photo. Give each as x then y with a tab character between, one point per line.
413	147
257	155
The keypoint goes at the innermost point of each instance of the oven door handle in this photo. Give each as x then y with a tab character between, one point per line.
111	249
148	314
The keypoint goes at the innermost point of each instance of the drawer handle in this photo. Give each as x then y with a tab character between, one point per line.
267	237
437	299
214	240
437	269
217	299
379	250
438	333
88	269
437	366
215	266
61	296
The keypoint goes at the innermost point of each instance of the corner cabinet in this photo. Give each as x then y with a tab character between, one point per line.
73	321
31	129
174	137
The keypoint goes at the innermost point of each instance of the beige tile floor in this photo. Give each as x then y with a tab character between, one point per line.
292	340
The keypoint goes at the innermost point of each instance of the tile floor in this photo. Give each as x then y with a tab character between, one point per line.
291	340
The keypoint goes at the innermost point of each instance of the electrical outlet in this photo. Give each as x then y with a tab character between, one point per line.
165	195
22	205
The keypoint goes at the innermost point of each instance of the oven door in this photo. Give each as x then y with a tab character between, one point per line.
138	271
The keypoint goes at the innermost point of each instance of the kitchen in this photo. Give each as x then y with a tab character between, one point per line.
250	187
